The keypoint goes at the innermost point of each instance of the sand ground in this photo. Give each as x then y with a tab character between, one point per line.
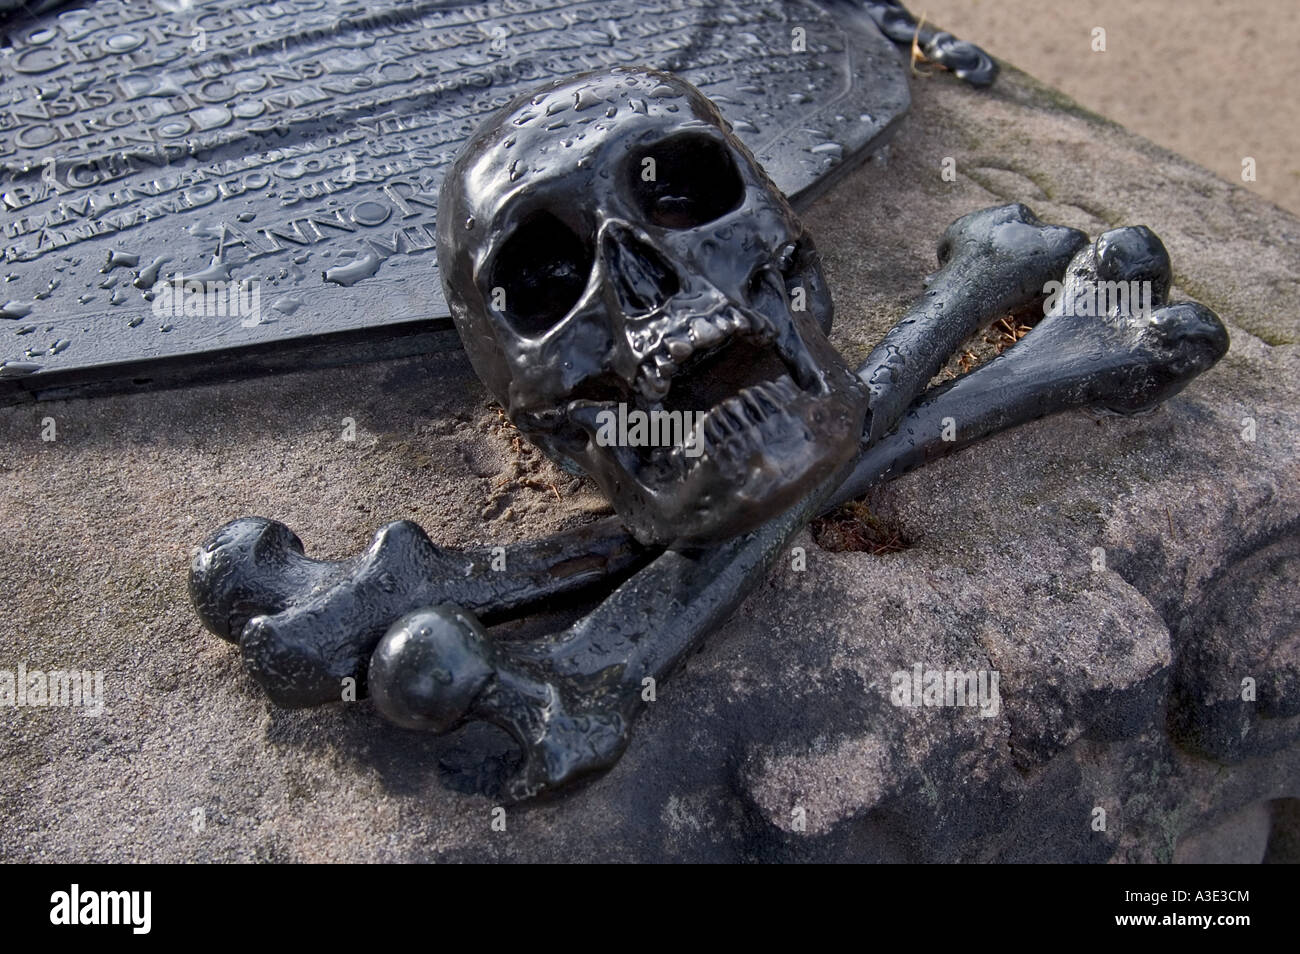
1214	86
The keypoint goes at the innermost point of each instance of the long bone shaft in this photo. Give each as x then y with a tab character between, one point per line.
1111	353
994	262
569	698
315	622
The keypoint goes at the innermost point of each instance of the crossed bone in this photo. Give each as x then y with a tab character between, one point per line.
405	615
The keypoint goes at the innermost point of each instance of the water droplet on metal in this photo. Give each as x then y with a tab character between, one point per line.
118	257
354	271
832	149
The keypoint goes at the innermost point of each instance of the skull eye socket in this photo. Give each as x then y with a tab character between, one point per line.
539	274
685	181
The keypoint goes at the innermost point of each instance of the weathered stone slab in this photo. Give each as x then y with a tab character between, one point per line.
298	148
1120	687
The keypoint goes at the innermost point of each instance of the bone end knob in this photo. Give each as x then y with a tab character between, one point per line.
430	667
243	570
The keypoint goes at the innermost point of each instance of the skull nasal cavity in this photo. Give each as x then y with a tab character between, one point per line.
642	279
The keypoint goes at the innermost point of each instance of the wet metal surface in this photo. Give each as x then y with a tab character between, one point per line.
288	158
403	617
638	264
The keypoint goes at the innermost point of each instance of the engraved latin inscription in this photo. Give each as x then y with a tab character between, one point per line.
301	145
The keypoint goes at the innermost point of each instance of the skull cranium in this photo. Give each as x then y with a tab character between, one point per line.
607	241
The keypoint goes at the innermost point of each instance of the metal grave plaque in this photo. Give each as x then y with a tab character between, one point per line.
284	158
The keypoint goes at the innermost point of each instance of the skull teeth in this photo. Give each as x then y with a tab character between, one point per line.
751	408
736	423
652	385
703	332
